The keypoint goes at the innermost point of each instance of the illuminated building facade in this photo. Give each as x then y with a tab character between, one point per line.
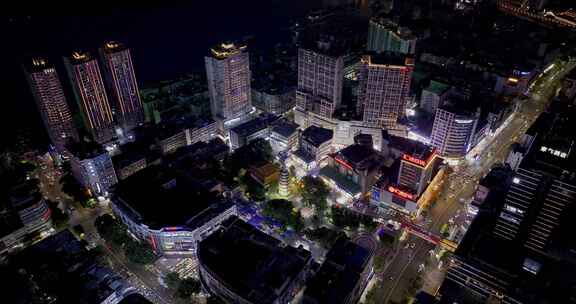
416	168
91	96
353	169
92	166
320	78
119	73
386	36
315	145
453	131
51	102
229	76
384	88
434	96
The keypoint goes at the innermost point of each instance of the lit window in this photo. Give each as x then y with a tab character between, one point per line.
543	149
516	180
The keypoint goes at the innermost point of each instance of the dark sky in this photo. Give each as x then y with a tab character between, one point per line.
166	40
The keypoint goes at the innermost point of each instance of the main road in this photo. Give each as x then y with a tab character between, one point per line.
461	184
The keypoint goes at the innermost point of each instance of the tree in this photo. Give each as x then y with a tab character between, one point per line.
139	253
59	218
344	218
188	287
326	237
314	193
282	211
172	279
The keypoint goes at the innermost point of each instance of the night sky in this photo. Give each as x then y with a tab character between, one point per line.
166	41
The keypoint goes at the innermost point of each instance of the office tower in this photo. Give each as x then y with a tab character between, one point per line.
51	102
453	130
384	35
384	86
119	74
416	167
92	167
521	249
91	95
228	74
320	77
434	96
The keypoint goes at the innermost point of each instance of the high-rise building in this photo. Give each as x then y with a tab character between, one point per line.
228	74
453	130
91	95
416	167
384	87
320	77
119	73
385	35
51	102
434	96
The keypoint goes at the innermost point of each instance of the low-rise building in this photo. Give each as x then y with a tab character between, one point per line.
258	127
25	219
178	133
315	145
240	264
342	277
353	169
265	174
188	212
284	136
92	166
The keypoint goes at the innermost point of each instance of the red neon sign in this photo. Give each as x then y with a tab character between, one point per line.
417	161
343	163
402	194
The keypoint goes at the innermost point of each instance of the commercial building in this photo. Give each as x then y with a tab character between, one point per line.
284	136
92	166
385	35
258	127
416	167
453	130
25	219
51	102
434	96
353	169
188	214
344	130
90	93
119	74
274	100
228	74
342	277
265	173
320	78
240	264
384	88
315	145
181	132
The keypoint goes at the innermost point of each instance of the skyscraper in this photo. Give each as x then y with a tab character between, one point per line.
228	74
51	102
320	77
453	130
91	95
384	35
384	86
119	73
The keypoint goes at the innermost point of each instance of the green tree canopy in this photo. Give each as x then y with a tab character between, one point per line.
315	192
188	287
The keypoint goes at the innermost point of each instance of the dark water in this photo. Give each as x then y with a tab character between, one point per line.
165	41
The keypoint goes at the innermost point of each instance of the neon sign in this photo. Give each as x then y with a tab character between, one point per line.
417	161
402	194
343	163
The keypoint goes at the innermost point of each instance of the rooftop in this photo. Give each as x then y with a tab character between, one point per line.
181	198
285	128
316	135
437	87
267	268
113	46
85	149
388	60
338	275
252	126
80	57
226	49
